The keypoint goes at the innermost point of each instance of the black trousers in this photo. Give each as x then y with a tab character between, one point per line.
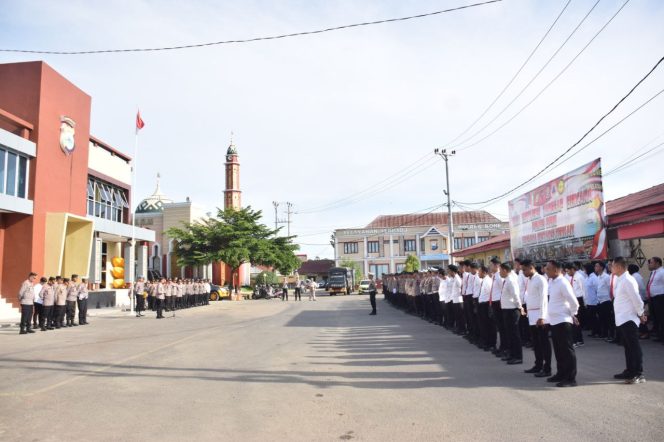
592	319
71	311
47	317
140	303
657	304
563	348
449	315
468	312
26	317
498	322
541	347
82	311
511	319
158	305
486	324
37	313
629	333
372	300
459	317
59	315
298	294
607	320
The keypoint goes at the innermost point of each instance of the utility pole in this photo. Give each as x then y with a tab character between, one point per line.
289	212
444	154
276	214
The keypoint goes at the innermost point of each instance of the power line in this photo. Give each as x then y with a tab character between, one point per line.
633	161
527	105
404	170
254	39
509	83
559	157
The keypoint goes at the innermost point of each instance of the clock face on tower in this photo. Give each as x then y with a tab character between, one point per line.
229	157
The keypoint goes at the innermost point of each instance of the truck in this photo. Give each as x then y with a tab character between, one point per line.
340	280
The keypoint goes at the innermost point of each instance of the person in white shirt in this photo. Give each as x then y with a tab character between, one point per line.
473	288
605	306
38	311
628	308
655	294
457	299
562	310
512	309
467	288
576	281
524	327
485	322
536	297
494	303
633	270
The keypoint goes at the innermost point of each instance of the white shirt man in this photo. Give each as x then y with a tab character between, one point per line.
627	303
510	296
603	287
496	287
443	288
563	305
455	289
655	285
484	288
536	298
577	284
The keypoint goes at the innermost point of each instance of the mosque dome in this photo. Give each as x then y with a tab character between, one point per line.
232	150
155	202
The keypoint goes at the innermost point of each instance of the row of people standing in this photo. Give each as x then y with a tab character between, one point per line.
48	302
489	305
170	295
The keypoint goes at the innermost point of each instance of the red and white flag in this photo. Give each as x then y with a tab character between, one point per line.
139	121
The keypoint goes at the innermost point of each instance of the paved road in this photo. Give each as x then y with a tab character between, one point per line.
325	370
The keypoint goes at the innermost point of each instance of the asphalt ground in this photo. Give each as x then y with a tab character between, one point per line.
290	371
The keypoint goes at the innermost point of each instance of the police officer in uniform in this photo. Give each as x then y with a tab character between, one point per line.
26	297
72	296
161	296
60	301
48	297
139	288
372	294
83	302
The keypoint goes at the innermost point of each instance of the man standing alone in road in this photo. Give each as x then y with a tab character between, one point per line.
26	297
372	294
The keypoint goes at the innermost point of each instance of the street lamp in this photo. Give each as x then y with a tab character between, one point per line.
445	155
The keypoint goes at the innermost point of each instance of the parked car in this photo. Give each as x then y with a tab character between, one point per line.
217	293
364	286
322	285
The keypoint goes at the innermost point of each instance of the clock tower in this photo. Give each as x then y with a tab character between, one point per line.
232	194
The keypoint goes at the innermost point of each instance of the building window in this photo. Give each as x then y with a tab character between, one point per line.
379	270
409	245
350	248
434	244
482	238
467	242
400	267
457	243
106	200
373	246
14	174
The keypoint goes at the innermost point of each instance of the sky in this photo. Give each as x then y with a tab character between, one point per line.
344	124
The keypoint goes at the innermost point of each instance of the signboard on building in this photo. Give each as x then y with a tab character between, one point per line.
562	219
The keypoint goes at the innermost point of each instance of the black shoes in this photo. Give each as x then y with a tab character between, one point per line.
533	370
543	374
554	378
624	375
372	314
566	384
30	330
23	332
515	362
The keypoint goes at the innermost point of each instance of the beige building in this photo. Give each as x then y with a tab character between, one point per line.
383	245
159	213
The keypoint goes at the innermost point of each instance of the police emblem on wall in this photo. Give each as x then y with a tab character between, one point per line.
67	132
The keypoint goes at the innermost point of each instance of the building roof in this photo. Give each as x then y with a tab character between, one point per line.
430	219
638	200
155	202
496	242
110	148
232	150
316	266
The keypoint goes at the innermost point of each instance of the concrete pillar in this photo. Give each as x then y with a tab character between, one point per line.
392	268
366	267
142	260
130	262
418	252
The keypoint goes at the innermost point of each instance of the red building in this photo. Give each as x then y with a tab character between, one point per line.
64	195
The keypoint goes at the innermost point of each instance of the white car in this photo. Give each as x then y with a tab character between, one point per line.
364	286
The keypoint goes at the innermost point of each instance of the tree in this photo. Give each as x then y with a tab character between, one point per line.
234	237
412	264
355	266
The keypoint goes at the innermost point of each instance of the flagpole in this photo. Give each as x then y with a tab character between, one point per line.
133	222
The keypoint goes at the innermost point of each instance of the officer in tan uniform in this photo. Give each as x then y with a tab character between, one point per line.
82	301
26	297
161	296
72	296
139	288
60	301
48	297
